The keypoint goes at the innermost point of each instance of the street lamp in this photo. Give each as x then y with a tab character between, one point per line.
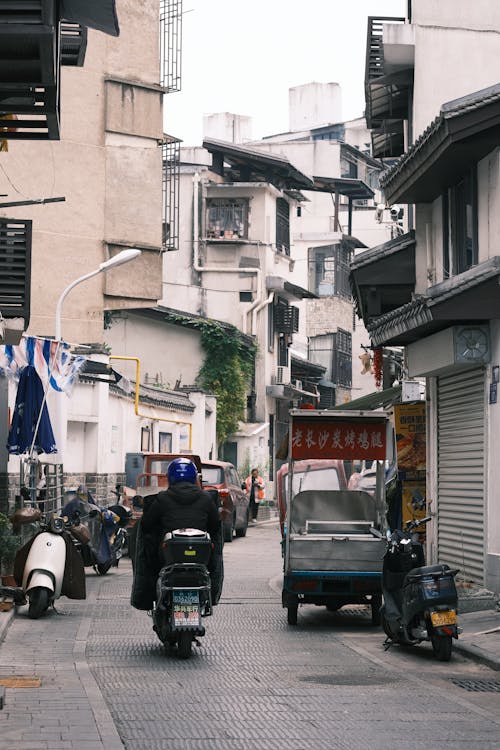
123	257
117	260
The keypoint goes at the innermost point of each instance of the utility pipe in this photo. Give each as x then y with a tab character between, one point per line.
260	307
136	402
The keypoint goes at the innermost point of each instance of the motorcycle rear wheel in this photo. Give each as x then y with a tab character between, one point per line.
184	644
38	602
102	568
441	645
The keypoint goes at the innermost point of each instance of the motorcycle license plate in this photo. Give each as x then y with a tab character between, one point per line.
186	609
444	618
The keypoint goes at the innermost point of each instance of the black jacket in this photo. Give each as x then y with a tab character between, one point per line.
184	505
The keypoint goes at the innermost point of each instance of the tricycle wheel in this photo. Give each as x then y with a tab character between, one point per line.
376	603
184	643
292	610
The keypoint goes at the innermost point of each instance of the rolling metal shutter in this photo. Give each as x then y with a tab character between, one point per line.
461	472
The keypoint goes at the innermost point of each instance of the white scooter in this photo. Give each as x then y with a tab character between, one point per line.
47	566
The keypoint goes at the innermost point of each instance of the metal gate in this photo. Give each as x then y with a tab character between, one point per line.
461	472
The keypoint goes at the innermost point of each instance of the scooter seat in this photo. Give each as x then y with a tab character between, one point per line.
430	570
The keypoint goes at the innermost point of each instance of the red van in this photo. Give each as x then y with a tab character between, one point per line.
310	474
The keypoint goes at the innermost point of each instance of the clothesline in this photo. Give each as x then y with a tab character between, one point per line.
55	365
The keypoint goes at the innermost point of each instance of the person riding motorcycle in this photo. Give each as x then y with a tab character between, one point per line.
183	505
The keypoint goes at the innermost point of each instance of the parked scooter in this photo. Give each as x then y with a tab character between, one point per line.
95	536
183	589
47	566
420	602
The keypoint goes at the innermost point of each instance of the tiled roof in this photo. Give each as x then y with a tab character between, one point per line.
449	110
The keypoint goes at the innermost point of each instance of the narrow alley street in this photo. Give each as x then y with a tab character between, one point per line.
255	683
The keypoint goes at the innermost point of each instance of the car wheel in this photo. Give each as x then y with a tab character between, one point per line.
243	531
292	610
229	530
376	603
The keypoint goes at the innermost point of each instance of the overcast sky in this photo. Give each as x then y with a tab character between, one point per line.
242	56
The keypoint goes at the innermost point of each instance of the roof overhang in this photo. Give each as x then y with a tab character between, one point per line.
470	296
376	400
347	186
95	14
286	289
464	132
253	165
383	278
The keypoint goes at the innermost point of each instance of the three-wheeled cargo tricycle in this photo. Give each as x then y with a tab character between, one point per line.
333	538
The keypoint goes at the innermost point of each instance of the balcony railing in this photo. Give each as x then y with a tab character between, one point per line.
171	44
29	69
171	181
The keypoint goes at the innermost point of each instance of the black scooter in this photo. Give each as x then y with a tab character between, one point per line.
183	589
420	602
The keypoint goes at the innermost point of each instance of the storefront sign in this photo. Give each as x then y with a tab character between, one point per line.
410	426
341	440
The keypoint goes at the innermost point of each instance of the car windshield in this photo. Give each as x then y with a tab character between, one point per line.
313	479
212	474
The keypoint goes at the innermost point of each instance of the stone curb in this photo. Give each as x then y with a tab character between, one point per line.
478	654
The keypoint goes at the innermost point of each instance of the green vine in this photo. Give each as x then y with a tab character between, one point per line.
227	370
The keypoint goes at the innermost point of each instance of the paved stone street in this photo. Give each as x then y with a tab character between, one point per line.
255	683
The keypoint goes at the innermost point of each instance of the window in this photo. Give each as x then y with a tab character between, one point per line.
342	358
165	442
334	352
460	243
170	183
212	474
329	271
227	218
348	167
282	226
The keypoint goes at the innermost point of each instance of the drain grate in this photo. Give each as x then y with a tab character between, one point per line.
478	686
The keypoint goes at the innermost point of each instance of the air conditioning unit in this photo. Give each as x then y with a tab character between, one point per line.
282	375
298	384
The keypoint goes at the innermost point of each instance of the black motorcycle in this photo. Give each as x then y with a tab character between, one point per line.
420	601
183	589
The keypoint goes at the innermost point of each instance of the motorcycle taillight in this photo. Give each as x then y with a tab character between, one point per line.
56	525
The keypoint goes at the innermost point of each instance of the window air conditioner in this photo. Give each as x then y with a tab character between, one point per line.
282	375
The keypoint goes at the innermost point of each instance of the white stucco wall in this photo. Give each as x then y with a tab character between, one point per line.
455	44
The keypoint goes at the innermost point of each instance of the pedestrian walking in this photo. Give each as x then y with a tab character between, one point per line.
255	489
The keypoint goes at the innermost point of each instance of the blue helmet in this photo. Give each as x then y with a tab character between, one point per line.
182	470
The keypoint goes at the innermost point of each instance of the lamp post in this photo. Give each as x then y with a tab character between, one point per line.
117	260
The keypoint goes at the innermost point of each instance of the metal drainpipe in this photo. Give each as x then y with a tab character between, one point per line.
266	302
216	269
136	403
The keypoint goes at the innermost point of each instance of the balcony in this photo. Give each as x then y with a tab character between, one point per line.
36	38
388	84
29	69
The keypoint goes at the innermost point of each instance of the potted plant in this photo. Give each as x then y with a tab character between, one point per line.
9	544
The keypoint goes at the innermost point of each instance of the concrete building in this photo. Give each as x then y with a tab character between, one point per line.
103	151
435	290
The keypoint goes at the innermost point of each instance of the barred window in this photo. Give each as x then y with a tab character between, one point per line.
227	218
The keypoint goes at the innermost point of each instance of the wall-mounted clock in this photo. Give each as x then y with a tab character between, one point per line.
472	343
